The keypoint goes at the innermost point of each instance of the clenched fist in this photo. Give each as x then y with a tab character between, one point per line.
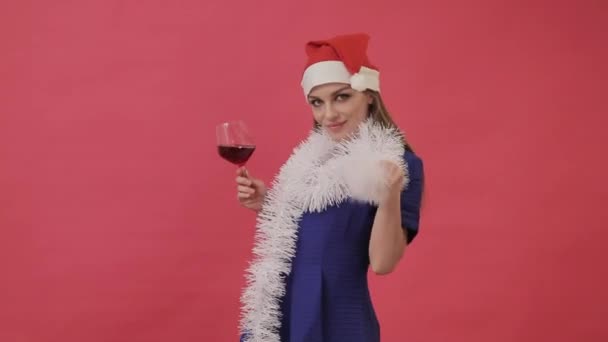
250	191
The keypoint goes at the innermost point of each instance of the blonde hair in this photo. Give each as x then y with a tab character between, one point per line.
379	113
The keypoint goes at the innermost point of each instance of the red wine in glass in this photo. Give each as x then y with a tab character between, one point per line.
236	154
234	142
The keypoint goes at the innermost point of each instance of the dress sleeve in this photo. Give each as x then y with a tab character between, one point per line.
411	196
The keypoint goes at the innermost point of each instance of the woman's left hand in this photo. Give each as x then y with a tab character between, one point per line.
394	181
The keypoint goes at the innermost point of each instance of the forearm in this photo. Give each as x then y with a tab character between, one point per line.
387	241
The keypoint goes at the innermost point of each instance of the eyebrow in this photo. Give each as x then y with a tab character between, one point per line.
332	94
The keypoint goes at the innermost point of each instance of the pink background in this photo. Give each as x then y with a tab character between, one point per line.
119	222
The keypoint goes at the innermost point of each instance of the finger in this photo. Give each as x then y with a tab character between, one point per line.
396	171
245	189
242	196
257	183
244	181
242	171
389	167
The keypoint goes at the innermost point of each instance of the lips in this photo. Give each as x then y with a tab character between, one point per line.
336	126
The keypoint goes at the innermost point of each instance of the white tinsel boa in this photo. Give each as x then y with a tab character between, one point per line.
320	173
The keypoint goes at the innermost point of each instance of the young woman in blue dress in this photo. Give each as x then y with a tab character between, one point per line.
347	199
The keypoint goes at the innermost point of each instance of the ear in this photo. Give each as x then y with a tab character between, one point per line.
370	98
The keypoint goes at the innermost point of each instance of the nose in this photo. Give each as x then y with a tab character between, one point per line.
330	113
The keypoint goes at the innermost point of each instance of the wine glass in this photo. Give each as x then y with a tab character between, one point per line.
234	142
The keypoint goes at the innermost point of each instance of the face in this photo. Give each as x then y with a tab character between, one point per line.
338	108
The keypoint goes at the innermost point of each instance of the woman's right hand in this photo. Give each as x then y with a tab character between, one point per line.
250	191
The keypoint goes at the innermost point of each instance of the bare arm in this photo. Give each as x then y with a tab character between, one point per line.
388	238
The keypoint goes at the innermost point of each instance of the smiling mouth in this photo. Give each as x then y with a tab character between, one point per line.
336	125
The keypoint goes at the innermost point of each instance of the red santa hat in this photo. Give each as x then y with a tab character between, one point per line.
341	59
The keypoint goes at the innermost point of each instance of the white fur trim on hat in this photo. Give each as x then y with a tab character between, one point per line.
336	72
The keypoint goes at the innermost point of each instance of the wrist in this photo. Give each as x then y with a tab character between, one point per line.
392	198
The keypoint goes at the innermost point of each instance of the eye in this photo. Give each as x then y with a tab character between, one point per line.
315	102
342	97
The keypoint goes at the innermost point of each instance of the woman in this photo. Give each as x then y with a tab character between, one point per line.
348	198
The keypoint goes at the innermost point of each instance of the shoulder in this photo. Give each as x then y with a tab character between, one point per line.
414	164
